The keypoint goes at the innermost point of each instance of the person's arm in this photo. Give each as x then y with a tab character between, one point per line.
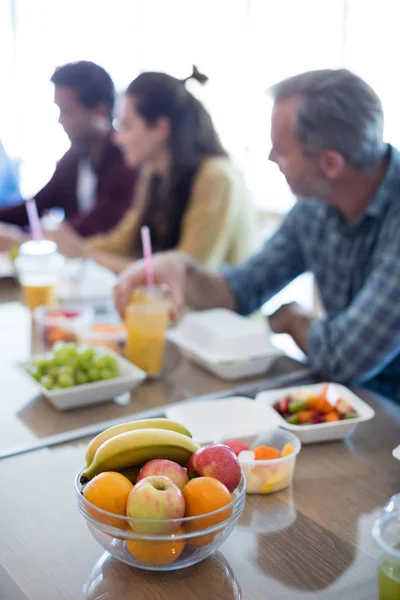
279	262
358	342
242	288
208	225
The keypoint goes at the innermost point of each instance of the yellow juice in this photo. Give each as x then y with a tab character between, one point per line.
146	324
39	295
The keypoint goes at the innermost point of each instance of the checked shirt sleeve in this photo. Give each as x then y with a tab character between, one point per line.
358	342
267	272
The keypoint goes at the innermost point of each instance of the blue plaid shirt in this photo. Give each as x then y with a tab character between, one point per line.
357	268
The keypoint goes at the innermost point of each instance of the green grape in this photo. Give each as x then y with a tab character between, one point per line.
66	370
35	372
47	382
81	377
40	363
86	354
106	374
93	374
65	380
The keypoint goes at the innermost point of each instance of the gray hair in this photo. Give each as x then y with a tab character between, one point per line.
338	111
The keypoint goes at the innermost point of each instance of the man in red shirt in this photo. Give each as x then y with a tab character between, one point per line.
91	182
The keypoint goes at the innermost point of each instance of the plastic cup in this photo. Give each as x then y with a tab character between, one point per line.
386	533
146	320
38	267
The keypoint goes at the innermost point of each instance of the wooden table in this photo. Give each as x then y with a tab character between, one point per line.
312	541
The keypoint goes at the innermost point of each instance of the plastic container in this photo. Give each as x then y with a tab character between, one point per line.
224	343
386	534
65	324
268	476
321	432
90	393
162	552
231	417
105	334
38	266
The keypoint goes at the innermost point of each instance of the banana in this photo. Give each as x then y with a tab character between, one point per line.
138	447
130	426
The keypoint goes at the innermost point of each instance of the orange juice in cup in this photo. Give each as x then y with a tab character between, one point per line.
38	295
146	321
38	266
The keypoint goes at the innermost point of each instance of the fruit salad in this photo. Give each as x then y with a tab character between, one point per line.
311	409
61	324
150	475
266	467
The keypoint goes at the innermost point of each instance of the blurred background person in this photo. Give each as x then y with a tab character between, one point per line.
189	193
9	188
91	181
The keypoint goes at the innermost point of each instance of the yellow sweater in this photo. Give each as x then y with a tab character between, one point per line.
219	225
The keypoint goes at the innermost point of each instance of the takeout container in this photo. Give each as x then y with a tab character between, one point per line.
189	544
321	432
224	343
89	393
269	476
62	324
226	418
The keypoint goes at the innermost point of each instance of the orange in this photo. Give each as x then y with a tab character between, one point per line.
204	495
108	491
152	552
266	453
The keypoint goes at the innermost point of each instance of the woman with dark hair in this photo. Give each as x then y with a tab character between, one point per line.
189	194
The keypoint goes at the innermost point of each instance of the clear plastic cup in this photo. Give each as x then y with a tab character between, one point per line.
146	320
386	533
38	266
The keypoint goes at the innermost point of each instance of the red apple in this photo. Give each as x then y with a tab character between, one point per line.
218	461
167	468
236	446
155	499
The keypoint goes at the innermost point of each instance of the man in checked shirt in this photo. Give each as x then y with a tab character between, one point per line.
327	140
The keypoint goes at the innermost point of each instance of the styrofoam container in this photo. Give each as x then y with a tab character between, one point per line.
321	432
90	393
269	476
224	343
225	418
224	335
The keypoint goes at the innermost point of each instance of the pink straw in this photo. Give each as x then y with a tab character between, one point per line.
33	217
147	254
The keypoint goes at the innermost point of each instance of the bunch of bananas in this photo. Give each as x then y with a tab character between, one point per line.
128	446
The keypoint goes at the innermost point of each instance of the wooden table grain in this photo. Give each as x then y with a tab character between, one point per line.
311	541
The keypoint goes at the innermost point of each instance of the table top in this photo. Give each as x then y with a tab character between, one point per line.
310	541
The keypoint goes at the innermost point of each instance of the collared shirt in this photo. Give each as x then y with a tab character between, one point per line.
357	268
113	194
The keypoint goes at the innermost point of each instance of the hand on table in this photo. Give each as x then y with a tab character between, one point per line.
292	319
69	243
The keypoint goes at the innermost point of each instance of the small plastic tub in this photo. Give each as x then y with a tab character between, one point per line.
105	334
268	476
62	324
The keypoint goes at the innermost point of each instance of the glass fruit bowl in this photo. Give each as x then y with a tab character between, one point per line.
188	541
